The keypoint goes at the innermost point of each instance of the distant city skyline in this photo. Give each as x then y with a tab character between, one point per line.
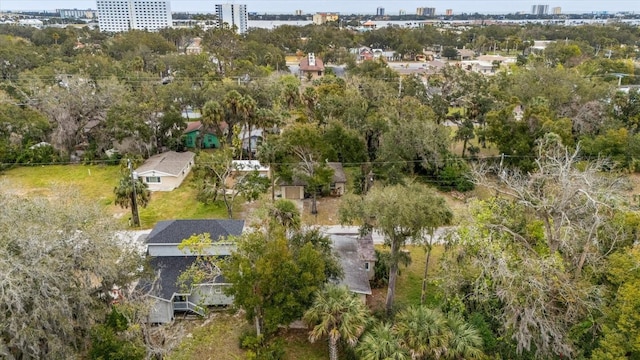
392	7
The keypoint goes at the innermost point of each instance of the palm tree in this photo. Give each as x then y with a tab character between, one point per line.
248	108
423	331
338	314
286	214
212	116
233	104
465	341
381	343
127	196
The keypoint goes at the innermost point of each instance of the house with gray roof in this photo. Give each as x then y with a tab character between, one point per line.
166	171
168	262
355	278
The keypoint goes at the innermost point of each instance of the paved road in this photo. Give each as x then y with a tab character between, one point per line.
136	237
377	237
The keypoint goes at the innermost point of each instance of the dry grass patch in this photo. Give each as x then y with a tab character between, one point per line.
327	211
298	346
213	339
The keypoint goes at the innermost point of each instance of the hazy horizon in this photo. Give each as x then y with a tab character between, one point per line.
354	6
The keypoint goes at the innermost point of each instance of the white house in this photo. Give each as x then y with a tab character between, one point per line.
166	171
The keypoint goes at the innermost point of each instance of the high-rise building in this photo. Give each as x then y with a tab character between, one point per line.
76	13
540	9
426	11
380	11
125	15
402	12
556	10
298	12
233	15
449	12
324	17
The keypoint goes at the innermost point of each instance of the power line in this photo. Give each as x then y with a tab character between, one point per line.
347	164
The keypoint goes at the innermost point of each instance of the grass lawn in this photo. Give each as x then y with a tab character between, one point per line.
96	183
298	346
409	285
217	338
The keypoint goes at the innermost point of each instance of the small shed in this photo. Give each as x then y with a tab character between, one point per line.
166	171
338	184
295	190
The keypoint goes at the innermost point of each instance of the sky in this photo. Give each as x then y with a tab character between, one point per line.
355	6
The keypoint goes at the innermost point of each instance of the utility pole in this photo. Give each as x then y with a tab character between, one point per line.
134	198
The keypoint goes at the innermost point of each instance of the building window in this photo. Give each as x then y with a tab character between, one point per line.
366	266
152	179
217	290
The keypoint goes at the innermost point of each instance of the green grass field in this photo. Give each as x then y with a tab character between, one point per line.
409	286
96	184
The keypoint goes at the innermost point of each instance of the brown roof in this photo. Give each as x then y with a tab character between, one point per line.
304	65
193	126
197	125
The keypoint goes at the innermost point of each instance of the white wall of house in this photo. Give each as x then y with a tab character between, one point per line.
220	249
369	267
166	182
210	295
161	311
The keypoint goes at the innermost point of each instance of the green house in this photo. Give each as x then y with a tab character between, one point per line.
195	137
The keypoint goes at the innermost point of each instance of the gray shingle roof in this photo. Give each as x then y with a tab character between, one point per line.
174	231
170	162
355	276
366	248
338	172
169	268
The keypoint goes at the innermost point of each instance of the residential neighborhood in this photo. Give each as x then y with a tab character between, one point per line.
437	185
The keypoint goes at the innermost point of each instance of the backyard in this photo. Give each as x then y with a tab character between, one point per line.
96	183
